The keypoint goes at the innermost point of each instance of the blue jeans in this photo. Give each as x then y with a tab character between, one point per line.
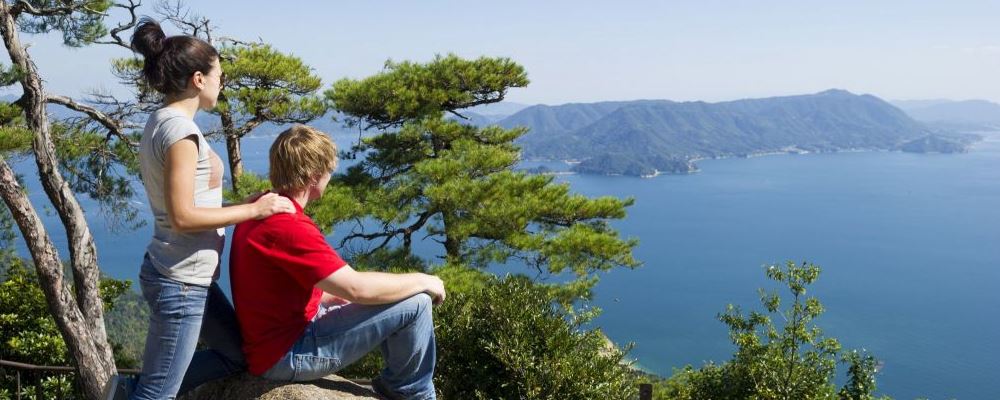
340	335
179	314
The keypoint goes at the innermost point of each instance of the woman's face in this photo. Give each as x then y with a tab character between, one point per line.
211	84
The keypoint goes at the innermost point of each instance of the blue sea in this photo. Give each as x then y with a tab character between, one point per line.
909	246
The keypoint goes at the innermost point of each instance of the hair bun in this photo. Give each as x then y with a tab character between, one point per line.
148	38
169	62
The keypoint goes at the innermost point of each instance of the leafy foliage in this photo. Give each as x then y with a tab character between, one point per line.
455	183
100	166
860	376
127	321
262	84
505	338
247	185
128	70
80	21
793	360
29	334
409	91
93	163
15	137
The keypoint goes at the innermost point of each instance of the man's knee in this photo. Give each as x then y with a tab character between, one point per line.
415	308
419	307
423	301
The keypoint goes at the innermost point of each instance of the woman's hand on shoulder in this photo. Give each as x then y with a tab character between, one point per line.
251	198
270	204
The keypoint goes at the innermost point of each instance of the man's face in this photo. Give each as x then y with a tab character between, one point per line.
320	186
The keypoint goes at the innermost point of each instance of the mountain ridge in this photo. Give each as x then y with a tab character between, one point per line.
648	137
962	114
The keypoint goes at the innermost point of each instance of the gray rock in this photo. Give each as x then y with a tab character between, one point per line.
246	386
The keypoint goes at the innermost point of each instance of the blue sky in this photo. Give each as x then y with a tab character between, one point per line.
582	51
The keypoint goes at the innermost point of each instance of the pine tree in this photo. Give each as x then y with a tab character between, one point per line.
261	84
62	147
423	174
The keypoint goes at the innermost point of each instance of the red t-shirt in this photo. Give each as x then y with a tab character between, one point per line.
274	264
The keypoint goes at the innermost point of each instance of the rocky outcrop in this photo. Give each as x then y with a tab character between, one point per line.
249	387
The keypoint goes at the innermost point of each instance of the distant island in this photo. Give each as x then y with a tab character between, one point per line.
650	137
962	115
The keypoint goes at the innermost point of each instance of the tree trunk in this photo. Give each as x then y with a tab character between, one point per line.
82	342
452	245
235	159
82	320
233	152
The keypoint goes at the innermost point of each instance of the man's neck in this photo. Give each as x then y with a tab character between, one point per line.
300	197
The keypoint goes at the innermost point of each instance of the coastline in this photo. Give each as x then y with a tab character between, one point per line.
694	168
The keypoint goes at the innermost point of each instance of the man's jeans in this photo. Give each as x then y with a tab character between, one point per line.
340	335
179	314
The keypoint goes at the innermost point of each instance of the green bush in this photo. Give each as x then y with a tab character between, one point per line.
28	333
248	184
792	360
506	339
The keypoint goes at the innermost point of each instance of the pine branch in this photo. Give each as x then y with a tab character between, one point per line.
26	7
183	19
407	232
114	126
249	126
486	99
67	8
115	38
232	40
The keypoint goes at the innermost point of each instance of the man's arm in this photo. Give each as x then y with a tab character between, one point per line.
331	300
379	287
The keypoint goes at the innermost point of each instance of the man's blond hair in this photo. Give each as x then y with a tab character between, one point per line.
298	155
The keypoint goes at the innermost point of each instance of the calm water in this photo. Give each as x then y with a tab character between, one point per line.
907	244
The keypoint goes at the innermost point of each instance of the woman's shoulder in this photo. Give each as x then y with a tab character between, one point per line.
167	120
166	126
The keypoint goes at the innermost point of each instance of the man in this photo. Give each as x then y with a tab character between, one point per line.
303	312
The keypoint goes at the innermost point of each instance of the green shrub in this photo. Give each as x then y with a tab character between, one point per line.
791	360
507	339
28	333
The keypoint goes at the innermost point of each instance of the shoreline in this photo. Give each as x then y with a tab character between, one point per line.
695	169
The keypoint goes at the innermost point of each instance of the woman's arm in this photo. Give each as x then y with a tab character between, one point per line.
181	163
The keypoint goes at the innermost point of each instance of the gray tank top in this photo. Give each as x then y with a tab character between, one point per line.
193	257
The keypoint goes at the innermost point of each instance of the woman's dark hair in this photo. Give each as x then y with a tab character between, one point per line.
170	61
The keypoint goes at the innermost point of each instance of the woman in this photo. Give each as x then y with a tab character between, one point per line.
183	181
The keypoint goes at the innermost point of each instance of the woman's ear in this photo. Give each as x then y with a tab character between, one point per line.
198	80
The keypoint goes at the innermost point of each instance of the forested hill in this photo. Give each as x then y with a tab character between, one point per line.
968	115
648	136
